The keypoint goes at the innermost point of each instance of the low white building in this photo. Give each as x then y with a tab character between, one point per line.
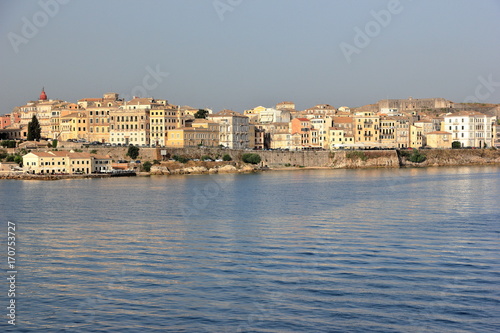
56	162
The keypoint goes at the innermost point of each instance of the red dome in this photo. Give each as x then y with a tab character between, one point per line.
43	95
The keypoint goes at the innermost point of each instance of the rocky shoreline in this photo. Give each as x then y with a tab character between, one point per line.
338	160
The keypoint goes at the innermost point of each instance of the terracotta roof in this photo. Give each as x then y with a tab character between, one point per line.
302	119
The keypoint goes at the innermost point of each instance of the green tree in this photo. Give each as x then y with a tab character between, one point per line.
8	144
201	114
93	151
147	166
34	130
54	143
18	159
251	158
227	158
456	145
417	157
133	152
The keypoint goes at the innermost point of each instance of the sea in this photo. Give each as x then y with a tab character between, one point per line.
366	250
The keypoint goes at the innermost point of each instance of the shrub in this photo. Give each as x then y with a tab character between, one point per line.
227	158
93	151
206	157
456	145
156	162
251	158
8	143
180	159
417	157
146	166
357	155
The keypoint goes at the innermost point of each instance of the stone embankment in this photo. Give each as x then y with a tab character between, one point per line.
452	157
176	168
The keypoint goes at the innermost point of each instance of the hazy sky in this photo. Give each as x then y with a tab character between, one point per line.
239	54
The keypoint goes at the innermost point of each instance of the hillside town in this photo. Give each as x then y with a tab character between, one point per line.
148	122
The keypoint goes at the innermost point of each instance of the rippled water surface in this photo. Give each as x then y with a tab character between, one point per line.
412	250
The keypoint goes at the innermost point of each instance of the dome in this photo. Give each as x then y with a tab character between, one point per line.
43	95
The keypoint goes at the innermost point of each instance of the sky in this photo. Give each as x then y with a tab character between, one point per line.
239	54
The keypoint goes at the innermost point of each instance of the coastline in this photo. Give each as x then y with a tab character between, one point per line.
281	161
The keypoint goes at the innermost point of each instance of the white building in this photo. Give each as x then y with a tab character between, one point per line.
470	128
233	129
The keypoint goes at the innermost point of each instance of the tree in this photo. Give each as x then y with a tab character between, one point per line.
456	145
34	130
251	158
417	157
18	159
227	158
147	166
133	152
201	114
54	143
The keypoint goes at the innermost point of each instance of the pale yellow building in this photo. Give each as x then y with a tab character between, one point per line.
73	126
439	139
202	133
129	127
162	120
68	162
339	138
367	127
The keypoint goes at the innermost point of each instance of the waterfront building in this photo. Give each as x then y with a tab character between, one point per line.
163	119
233	129
301	132
339	138
53	162
367	128
321	125
496	136
129	127
470	128
438	139
201	133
